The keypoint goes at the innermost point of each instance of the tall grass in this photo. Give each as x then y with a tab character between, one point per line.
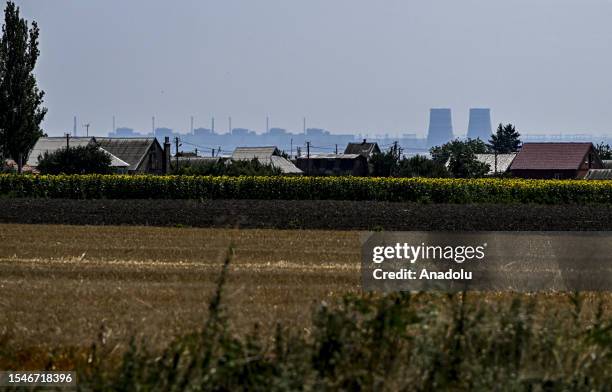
372	342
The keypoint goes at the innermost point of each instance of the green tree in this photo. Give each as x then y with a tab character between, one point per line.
227	168
385	163
421	166
604	151
460	157
505	140
76	160
21	112
441	154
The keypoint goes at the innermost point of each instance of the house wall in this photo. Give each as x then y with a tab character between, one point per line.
546	174
153	162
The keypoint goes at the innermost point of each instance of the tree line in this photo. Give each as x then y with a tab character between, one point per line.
456	158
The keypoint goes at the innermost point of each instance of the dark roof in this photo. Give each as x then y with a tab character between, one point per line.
363	148
551	156
130	150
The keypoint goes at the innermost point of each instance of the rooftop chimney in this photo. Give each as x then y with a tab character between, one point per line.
166	161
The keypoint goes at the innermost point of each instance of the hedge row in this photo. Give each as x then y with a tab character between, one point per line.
306	188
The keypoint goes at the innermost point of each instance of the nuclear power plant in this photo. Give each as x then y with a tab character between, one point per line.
480	124
440	127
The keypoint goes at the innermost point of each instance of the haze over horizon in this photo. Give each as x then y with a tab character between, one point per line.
348	66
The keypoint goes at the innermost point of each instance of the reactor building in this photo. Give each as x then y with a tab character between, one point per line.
440	127
479	126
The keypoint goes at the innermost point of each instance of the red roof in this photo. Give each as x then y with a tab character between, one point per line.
551	156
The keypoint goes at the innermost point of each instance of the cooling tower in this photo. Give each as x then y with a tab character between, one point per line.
480	124
440	127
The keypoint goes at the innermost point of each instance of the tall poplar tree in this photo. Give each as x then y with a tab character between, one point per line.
21	111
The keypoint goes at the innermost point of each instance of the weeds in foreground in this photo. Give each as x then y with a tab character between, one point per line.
400	341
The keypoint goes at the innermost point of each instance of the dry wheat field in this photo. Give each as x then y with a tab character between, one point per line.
62	285
69	286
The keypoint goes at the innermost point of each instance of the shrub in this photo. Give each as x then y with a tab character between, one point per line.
421	166
226	168
76	160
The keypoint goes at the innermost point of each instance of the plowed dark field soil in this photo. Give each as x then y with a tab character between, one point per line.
307	214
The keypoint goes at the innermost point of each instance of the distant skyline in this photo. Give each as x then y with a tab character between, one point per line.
347	65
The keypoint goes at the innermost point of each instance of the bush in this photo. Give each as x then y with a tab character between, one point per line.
76	160
425	190
226	168
421	166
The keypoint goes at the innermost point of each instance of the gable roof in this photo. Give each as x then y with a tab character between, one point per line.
285	165
130	150
551	156
244	153
363	148
116	162
503	161
266	155
52	144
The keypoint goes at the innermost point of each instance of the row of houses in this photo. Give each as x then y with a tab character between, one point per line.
146	155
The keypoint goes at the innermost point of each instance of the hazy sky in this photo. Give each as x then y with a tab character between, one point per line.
351	65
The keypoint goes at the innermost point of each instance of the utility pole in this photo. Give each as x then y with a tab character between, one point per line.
336	149
86	126
212	125
176	143
307	158
67	140
291	148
